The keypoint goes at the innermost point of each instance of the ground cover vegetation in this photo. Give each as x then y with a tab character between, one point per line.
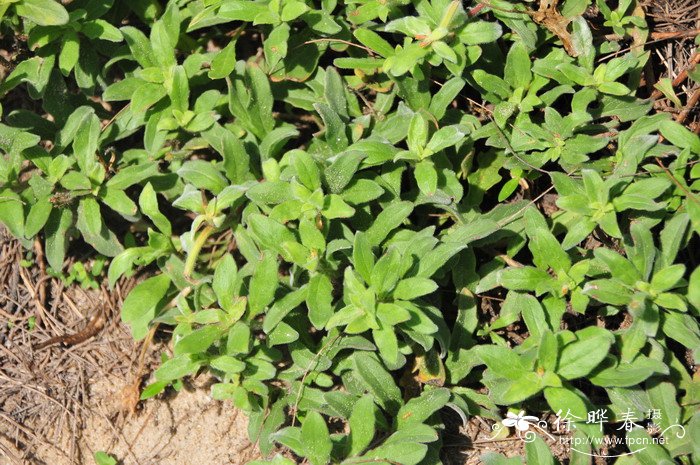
362	216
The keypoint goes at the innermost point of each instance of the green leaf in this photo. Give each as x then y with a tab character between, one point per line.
546	250
614	88
426	177
362	256
311	236
444	137
283	334
579	358
518	66
276	48
362	425
102	458
319	299
12	212
419	409
526	278
70	53
645	450
358	63
567	399
613	374
341	171
417	133
224	62
519	390
270	233
412	288
608	291
36	219
619	267
445	96
236	158
532	313
276	460
502	361
496	88
335	129
694	289
334	92
293	9
389	219
238	341
101	29
269	192
386	341
315	438
118	201
361	191
86	143
444	51
663	395
480	32
224	285
149	206
282	307
335	207
378	381
371	39
548	352
385	273
577	74
139	46
538	452
263	284
131	175
43	12
678	135
405	453
306	170
492	458
668	278
57	226
94	230
164	47
179	89
227	364
139	307
203	175
198	340
176	368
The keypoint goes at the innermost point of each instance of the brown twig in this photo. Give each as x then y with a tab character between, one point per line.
510	261
674	34
475	11
40	310
692	101
94	326
695	59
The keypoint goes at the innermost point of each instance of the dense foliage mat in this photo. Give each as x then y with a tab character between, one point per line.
357	215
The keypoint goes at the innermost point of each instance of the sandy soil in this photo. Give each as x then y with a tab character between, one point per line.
187	428
69	379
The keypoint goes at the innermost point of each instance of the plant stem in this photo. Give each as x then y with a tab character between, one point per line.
196	248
